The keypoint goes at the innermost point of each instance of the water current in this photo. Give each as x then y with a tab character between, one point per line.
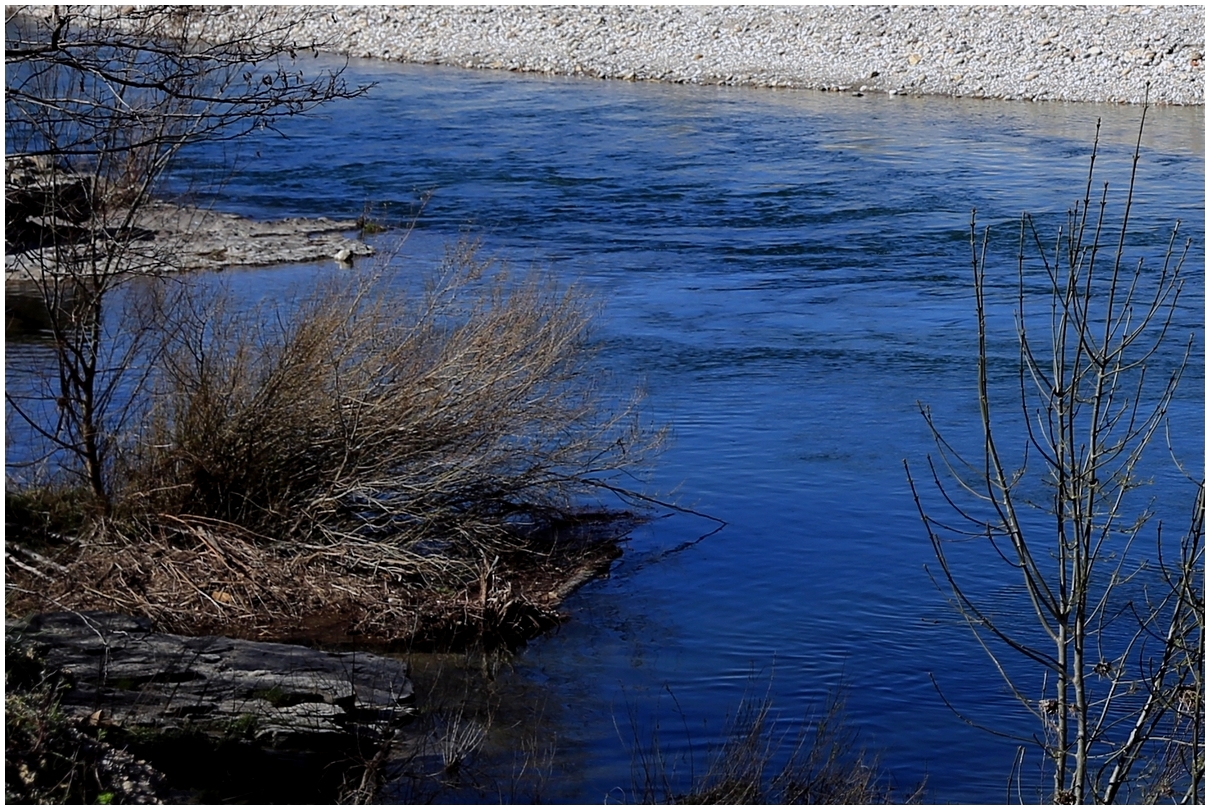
788	275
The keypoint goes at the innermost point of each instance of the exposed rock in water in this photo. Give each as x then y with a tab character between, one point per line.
211	240
173	238
289	694
35	189
54	219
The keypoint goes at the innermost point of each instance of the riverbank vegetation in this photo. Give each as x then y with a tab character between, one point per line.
762	760
365	459
358	460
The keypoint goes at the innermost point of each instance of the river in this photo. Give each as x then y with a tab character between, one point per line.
788	275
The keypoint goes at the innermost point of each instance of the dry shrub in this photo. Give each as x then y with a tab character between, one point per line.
457	414
377	461
358	461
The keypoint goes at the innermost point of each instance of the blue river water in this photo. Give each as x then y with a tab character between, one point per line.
787	273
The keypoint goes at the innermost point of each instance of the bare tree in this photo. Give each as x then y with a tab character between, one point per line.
99	100
1115	644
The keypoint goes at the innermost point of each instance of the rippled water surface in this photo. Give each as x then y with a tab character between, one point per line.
788	274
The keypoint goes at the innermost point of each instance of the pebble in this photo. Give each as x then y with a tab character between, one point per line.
1056	53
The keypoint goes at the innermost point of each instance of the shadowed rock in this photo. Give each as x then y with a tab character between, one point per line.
285	696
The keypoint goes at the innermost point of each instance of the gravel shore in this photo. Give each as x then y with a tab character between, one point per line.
1098	54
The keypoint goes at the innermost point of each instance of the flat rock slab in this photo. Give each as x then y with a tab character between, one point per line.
172	238
213	240
285	696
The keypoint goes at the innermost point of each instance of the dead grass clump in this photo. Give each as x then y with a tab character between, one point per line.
198	576
758	764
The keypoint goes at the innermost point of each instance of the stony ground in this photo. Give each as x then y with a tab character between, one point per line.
1099	53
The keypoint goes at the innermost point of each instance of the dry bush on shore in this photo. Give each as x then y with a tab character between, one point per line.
408	465
459	415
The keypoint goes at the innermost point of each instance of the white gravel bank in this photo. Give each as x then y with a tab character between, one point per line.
1100	53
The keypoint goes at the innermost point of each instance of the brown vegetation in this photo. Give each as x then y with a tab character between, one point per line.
357	462
758	764
352	463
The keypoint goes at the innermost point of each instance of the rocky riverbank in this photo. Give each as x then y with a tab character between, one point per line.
45	210
153	707
175	238
1037	53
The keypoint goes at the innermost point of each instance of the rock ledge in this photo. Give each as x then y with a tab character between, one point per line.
283	696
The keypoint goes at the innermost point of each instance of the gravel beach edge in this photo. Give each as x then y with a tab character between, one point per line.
1115	54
